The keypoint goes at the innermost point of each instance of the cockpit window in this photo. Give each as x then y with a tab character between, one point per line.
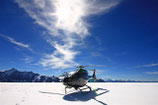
70	74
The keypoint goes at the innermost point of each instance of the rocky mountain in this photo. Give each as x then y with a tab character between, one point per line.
13	75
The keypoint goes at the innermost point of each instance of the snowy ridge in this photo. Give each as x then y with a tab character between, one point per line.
13	75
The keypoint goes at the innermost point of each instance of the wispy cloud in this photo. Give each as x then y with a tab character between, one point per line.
62	57
14	41
148	65
98	40
28	59
65	21
152	73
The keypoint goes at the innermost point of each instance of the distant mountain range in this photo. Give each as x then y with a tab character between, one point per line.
13	75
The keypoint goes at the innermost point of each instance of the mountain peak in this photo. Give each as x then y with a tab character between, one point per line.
10	71
13	69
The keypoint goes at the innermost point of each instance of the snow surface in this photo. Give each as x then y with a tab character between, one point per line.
102	94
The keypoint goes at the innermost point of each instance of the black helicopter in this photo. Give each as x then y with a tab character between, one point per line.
78	79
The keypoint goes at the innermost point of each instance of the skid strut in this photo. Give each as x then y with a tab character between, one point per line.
65	89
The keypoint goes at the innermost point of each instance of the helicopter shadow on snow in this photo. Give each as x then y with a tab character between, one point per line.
78	96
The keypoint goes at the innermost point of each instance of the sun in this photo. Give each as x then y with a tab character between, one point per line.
68	14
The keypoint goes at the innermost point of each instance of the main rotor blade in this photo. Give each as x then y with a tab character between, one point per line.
99	65
91	66
92	70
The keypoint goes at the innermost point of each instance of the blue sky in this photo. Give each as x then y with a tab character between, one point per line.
51	37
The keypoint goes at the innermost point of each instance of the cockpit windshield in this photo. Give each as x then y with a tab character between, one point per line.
70	74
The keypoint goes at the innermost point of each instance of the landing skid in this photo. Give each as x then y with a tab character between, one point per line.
87	87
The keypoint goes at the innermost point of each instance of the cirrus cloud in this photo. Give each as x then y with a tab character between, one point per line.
152	73
148	65
14	41
65	21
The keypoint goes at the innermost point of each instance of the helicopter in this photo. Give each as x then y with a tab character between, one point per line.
79	79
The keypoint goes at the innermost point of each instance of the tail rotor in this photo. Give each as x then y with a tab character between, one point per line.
94	75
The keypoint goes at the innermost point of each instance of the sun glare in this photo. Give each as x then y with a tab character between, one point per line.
68	14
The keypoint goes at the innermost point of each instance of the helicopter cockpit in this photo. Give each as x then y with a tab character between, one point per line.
70	74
